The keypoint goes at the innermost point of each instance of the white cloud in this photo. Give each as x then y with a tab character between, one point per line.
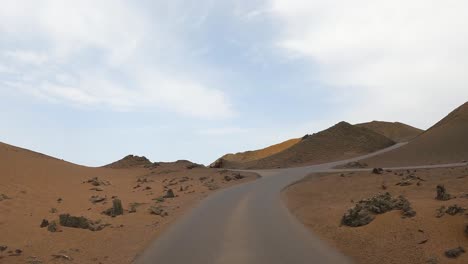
94	53
222	131
391	59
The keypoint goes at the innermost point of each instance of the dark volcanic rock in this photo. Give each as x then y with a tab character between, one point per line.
454	253
169	194
365	210
442	193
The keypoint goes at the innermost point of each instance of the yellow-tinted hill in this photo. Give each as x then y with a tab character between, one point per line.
445	142
235	160
341	141
395	131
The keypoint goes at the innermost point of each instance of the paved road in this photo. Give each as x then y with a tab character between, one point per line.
247	224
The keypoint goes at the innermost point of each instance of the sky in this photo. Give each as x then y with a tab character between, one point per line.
92	81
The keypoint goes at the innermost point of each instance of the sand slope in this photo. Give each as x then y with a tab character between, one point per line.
445	142
235	160
320	201
395	131
338	142
36	183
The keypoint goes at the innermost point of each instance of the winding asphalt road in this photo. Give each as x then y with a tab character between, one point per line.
248	224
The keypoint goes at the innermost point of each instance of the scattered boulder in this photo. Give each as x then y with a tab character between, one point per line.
44	223
80	222
97	199
52	227
3	248
133	207
96	189
169	194
454	253
238	176
454	209
442	194
116	208
61	257
365	210
227	178
3	197
53	210
158	210
377	170
96	182
440	212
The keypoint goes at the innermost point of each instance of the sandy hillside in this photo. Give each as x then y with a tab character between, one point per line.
338	142
235	160
320	201
395	131
445	142
34	187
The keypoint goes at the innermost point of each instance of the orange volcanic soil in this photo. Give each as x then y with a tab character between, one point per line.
34	187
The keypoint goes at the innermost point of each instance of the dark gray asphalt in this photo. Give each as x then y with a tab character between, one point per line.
247	224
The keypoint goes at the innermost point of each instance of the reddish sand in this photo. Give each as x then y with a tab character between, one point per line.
445	142
320	201
395	131
34	183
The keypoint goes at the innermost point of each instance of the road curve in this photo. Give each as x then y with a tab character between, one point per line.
247	224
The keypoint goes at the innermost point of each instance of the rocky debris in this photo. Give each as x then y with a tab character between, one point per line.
454	210
169	194
15	253
96	182
143	180
80	222
116	208
133	207
3	197
377	170
44	223
52	227
96	189
148	188
53	210
217	164
404	183
3	248
184	179
61	257
432	260
442	194
365	210
193	166
158	210
203	178
440	211
356	164
383	186
159	199
454	253
97	199
59	200
211	186
227	178
238	176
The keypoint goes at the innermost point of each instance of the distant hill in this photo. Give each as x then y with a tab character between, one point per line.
445	142
130	161
235	160
395	131
341	141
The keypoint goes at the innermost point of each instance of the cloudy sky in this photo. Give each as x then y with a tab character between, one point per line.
91	81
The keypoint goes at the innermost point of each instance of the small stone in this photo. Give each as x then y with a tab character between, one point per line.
169	194
44	223
454	253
